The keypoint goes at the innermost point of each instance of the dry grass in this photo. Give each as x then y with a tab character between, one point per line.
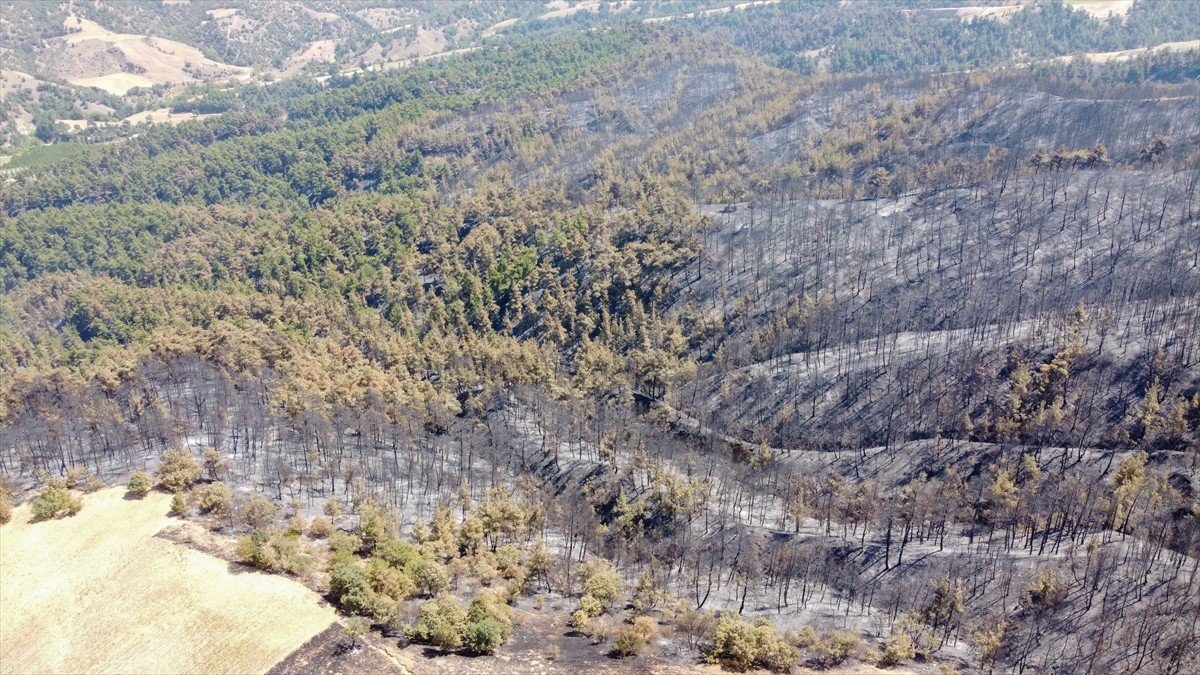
114	83
156	116
427	42
710	12
161	60
1101	8
321	16
560	10
998	12
15	80
99	593
381	17
162	116
1126	54
321	50
1097	8
496	28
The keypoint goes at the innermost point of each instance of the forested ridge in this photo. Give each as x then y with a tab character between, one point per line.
780	366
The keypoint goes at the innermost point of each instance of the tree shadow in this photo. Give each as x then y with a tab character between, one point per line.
236	568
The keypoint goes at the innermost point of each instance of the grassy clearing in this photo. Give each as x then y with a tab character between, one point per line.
99	593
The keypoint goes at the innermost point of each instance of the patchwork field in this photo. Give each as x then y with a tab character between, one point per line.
99	593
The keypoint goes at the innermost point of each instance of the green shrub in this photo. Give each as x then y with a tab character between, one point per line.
580	621
320	528
384	610
179	505
441	623
355	630
289	555
178	470
349	586
396	553
254	549
633	640
604	585
344	542
429	576
739	645
486	606
375	525
55	500
899	648
140	484
591	606
259	512
215	498
484	636
297	525
5	507
834	650
628	643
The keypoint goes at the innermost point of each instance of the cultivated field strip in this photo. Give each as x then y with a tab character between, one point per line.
99	593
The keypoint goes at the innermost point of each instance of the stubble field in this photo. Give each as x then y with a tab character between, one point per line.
99	593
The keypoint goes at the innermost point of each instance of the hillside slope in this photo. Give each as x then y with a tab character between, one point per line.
848	353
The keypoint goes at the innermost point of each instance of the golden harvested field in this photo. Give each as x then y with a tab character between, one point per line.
99	593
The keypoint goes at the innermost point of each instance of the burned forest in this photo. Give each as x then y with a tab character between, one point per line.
657	337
